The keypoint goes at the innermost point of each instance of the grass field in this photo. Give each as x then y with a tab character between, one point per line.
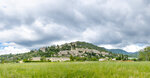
76	70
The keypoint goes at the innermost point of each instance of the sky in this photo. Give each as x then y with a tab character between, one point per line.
30	24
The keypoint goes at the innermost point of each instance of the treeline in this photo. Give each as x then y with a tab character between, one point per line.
122	57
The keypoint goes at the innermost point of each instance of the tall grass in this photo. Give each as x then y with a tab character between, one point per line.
76	70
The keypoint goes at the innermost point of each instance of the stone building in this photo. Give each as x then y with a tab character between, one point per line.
52	59
36	58
43	49
55	59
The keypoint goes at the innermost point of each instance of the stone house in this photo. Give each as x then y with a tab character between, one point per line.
114	59
102	59
52	59
104	53
21	61
36	58
55	59
43	49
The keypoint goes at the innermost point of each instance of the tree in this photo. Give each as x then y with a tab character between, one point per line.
71	58
2	59
94	59
118	58
43	59
144	55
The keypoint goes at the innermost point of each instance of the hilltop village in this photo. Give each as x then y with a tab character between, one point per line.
74	51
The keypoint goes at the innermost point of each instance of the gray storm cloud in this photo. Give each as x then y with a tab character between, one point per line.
34	22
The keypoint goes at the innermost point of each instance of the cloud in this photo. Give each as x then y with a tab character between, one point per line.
12	50
128	48
107	46
36	23
133	48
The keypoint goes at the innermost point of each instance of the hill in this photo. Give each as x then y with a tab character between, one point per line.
120	51
75	50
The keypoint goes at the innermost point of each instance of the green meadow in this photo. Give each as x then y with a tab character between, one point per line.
76	70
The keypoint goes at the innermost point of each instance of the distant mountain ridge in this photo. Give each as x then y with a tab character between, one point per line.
120	51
